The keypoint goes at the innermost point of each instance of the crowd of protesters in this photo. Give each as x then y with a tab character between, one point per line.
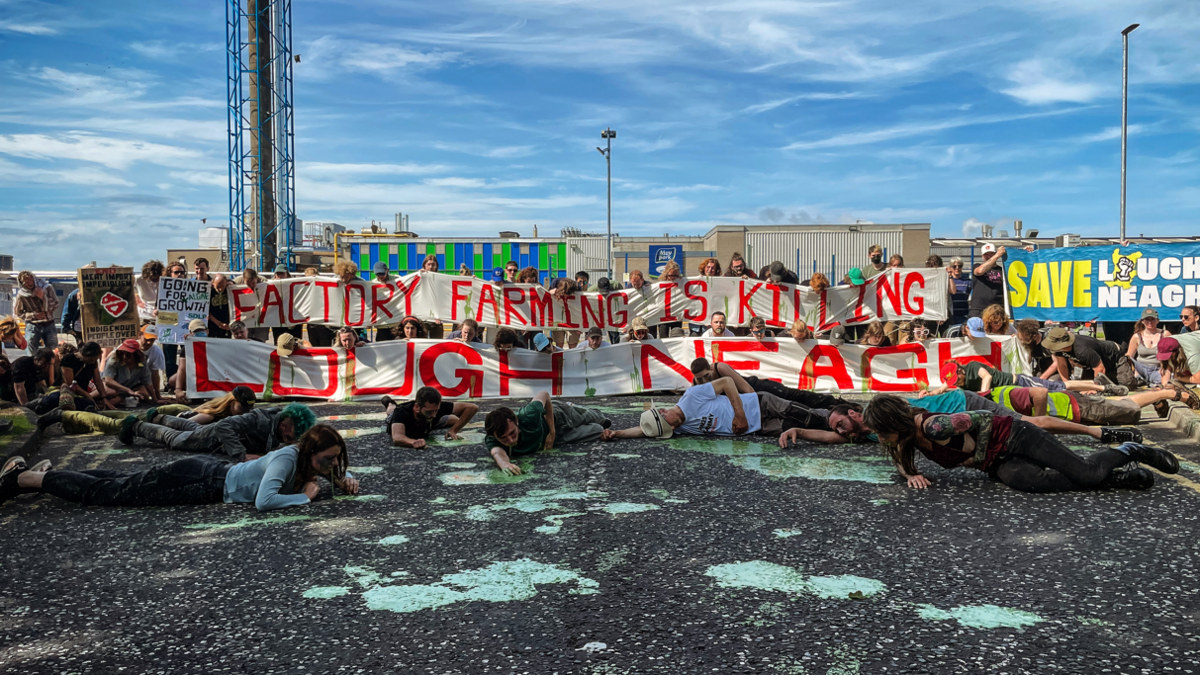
981	417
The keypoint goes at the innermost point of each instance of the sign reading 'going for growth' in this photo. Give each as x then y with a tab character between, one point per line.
1110	283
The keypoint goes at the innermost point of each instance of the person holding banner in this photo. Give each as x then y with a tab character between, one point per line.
147	290
409	422
281	479
988	285
1012	451
434	329
537	426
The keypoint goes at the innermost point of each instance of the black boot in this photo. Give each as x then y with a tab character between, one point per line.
1120	435
49	419
1155	457
1131	479
128	431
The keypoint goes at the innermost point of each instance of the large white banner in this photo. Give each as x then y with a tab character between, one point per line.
461	370
891	295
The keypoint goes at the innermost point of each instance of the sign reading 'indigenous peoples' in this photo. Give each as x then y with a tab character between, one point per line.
458	369
1113	283
891	295
179	302
107	308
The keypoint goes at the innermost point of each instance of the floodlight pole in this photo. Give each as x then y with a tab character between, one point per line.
1124	115
608	135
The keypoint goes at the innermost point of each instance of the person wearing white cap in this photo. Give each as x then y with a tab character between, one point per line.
988	285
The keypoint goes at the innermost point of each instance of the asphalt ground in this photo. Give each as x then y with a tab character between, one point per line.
684	556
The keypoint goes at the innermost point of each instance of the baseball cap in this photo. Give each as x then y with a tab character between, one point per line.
540	341
776	272
837	336
638	323
1149	313
380	267
654	425
856	276
130	345
975	327
988	248
594	330
678	333
1058	339
197	325
150	331
281	269
243	394
286	344
1167	348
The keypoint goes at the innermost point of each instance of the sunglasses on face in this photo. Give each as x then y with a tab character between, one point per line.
757	331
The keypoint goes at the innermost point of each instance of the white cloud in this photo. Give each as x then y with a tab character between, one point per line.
12	172
651	146
820	96
1109	134
202	178
160	50
972	227
348	169
1040	82
111	152
27	28
500	152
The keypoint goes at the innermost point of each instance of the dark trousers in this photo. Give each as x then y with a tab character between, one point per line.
777	415
176	433
194	480
320	336
49	402
808	399
1038	462
171	354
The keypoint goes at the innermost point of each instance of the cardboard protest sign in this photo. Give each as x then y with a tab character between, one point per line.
179	302
107	308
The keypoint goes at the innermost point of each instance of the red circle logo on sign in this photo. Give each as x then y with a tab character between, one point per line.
114	304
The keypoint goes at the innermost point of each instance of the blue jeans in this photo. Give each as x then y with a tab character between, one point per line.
1048	385
1150	374
41	335
194	480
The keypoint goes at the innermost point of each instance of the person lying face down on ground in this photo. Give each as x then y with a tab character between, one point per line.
1020	454
247	436
1088	409
980	378
409	422
280	479
846	424
538	425
237	402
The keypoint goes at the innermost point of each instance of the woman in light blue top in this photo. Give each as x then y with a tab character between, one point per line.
278	480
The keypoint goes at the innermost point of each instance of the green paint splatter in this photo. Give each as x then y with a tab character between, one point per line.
358	433
438	500
659	492
629	507
362	576
879	502
107	451
555	523
247	522
447	512
676	501
361	498
393	540
492	477
621	455
436	530
366	470
533	502
468	438
765	458
1189	466
784	534
611	559
354	417
459	465
769	576
499	582
326	592
1088	621
980	616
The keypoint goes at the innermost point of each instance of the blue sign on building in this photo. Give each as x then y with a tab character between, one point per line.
661	255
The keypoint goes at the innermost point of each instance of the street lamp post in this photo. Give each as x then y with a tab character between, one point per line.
1124	115
608	135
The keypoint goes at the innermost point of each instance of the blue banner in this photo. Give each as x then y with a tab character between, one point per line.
1109	283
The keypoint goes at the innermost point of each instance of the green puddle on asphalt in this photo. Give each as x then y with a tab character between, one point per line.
555	522
618	410
393	540
980	616
533	502
365	470
357	416
437	439
360	498
769	576
784	534
504	581
489	477
459	465
247	522
628	507
358	433
106	451
621	455
766	458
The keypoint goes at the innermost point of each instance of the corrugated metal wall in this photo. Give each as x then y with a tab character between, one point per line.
588	254
830	252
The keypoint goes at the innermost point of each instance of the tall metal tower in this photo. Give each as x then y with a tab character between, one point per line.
262	171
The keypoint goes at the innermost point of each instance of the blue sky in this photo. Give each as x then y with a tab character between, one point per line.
476	117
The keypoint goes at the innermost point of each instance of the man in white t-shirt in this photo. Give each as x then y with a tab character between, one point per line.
716	326
594	340
713	409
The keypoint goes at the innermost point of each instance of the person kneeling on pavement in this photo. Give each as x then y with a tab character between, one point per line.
409	422
537	426
241	437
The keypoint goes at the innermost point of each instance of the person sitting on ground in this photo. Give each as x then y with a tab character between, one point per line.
738	269
709	267
254	433
1015	452
875	336
37	304
468	331
996	321
348	339
637	331
507	338
284	478
31	377
539	425
1143	347
156	360
716	326
10	332
1102	359
127	374
593	339
409	422
758	328
542	344
1176	367
800	331
410	328
81	373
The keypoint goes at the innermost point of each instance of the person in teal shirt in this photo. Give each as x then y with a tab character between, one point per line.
536	426
281	479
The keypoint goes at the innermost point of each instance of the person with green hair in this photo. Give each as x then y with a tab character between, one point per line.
239	437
